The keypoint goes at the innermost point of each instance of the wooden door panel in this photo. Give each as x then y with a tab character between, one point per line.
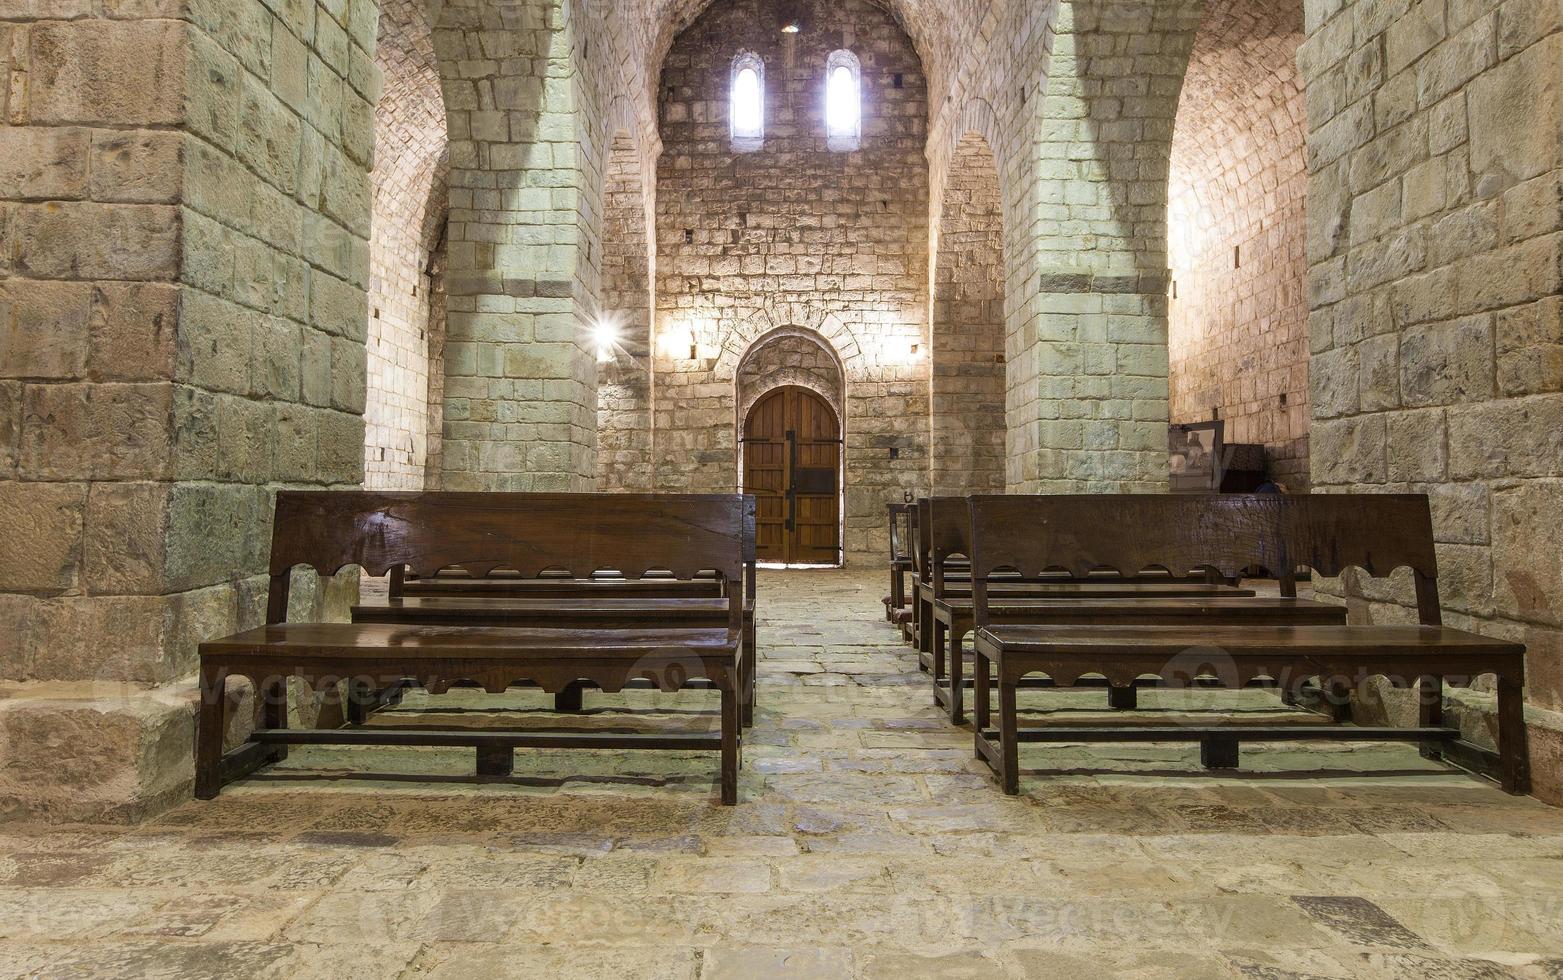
792	464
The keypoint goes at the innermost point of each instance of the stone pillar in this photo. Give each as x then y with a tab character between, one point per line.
183	260
520	368
1088	396
1435	292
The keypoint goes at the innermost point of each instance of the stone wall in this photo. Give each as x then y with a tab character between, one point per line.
1435	163
1088	371
1238	340
410	204
967	350
520	372
794	235
624	432
184	253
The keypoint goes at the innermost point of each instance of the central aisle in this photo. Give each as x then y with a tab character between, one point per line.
869	844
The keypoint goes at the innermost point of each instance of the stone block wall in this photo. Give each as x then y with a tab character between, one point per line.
183	265
991	105
1238	340
624	430
410	204
520	400
1088	376
967	348
794	235
1435	250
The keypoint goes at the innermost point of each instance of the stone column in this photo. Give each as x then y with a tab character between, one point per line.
1088	398
520	369
1435	293
183	261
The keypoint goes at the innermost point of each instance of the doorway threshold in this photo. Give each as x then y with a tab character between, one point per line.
782	565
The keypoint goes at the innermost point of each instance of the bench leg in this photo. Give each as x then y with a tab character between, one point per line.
1430	713
1338	697
360	701
940	668
209	735
1218	752
569	701
924	616
730	745
496	761
957	673
981	695
274	711
751	667
1513	756
1009	738
1123	698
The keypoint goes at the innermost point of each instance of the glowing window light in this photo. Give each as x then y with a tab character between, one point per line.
843	106
748	102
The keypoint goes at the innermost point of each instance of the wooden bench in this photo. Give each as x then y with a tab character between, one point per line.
595	612
1326	533
680	534
1052	596
956	573
897	610
443	599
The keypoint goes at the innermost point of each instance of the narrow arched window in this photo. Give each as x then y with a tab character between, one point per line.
748	101
843	101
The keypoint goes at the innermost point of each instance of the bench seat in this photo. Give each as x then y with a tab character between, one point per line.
310	642
1237	654
567	588
461	610
952	615
605	612
381	655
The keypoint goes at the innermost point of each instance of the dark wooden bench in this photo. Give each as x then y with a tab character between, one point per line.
603	599
1146	593
1326	533
681	535
595	612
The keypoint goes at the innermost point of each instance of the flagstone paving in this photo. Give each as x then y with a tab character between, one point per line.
868	843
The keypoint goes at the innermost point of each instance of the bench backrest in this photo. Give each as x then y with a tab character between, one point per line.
684	534
942	524
900	530
1223	533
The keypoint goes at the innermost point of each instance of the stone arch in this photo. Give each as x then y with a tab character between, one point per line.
411	201
966	358
1237	233
790	355
829	327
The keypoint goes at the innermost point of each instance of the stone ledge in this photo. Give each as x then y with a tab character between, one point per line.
1474	712
94	752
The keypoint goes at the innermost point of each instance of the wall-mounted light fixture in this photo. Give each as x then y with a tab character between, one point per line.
605	334
790	18
681	342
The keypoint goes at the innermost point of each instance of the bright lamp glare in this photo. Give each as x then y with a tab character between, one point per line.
606	335
841	103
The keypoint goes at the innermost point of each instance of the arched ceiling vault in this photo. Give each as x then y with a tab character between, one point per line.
942	30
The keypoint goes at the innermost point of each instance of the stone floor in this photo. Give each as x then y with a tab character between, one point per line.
868	844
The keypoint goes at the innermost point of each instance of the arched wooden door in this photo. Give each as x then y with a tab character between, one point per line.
792	464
